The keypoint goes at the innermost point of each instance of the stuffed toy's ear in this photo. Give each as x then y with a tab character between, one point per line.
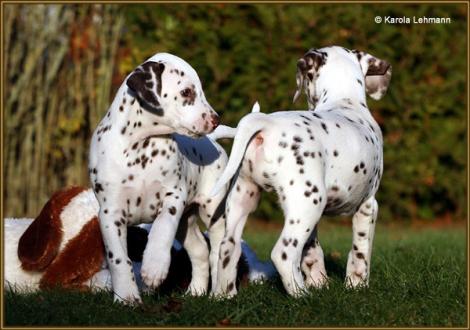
80	259
40	243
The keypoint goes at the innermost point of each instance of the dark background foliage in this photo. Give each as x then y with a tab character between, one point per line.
248	52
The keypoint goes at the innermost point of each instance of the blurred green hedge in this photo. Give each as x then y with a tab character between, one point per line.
245	53
248	52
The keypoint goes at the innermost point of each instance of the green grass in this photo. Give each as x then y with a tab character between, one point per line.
418	279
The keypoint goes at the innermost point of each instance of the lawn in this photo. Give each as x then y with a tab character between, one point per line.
418	279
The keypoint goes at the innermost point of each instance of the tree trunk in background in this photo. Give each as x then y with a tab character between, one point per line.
58	67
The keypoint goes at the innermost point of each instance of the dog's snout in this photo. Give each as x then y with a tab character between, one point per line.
215	121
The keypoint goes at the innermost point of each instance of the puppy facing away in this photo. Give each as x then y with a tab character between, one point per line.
327	161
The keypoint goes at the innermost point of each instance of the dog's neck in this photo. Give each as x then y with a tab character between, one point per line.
131	122
333	92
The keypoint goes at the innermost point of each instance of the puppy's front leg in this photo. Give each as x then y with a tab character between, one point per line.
157	254
114	231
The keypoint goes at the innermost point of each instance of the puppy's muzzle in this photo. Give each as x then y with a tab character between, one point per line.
215	121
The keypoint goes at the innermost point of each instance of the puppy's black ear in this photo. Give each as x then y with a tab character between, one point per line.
307	68
146	83
377	74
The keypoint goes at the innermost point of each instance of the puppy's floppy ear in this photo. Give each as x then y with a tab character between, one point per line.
146	83
377	74
308	66
299	77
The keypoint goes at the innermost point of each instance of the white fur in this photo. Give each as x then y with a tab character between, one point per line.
77	213
15	277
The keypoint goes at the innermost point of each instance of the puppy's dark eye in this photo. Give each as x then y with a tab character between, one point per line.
186	92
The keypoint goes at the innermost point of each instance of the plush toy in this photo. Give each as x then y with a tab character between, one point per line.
63	247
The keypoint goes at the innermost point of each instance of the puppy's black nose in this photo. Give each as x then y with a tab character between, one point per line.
215	121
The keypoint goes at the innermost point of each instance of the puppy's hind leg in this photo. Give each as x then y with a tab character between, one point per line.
358	267
241	201
212	213
198	253
313	264
301	217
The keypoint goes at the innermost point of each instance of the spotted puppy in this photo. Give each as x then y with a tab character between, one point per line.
146	166
327	161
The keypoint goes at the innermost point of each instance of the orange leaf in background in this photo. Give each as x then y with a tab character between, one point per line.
394	137
429	180
435	80
335	255
224	323
344	33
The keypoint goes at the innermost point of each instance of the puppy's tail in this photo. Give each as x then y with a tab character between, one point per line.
246	129
222	132
227	132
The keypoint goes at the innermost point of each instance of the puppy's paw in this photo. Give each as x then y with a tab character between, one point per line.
197	288
155	268
356	280
128	299
316	280
227	291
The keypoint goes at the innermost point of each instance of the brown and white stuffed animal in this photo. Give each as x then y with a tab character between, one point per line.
63	247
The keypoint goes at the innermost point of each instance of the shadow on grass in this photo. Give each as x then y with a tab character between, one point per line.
335	267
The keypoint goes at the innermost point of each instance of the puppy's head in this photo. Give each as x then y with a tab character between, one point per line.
170	88
335	68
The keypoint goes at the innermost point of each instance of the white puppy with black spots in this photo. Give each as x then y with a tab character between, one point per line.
145	167
327	161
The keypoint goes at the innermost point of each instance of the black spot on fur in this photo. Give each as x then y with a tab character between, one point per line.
98	187
225	262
